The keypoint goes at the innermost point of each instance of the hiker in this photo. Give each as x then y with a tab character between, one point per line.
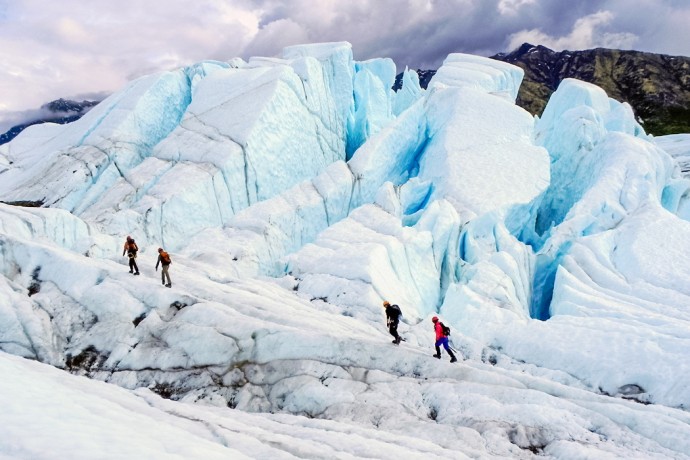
131	249
393	315
442	339
164	261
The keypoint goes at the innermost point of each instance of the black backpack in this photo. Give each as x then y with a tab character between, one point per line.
394	313
445	329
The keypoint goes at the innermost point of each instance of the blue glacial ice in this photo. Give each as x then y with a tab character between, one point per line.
298	192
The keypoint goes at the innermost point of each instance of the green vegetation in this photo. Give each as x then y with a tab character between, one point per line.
675	121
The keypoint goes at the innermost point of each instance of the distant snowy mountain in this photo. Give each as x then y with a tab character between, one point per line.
60	111
295	195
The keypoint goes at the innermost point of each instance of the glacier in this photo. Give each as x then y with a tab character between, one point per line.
295	194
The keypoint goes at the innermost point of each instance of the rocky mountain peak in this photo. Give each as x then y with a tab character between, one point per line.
657	86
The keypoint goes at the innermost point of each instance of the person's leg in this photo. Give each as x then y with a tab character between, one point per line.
131	264
438	349
166	274
448	350
393	329
444	341
134	263
163	270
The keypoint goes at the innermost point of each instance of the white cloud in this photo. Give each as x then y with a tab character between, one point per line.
587	33
59	49
70	31
511	7
276	35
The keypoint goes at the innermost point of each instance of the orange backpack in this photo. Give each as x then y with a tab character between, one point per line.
165	258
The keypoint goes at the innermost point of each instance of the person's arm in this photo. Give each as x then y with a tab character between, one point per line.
124	249
158	262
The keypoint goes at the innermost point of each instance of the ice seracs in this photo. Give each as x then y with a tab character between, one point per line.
587	254
295	193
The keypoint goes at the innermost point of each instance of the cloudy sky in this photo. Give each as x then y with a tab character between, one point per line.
81	49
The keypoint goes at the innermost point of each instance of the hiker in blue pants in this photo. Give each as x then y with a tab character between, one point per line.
442	339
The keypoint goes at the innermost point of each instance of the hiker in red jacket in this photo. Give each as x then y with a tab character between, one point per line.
442	339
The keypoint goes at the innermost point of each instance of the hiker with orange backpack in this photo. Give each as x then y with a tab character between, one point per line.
131	249
164	261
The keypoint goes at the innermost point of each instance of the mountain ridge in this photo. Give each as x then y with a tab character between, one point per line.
663	104
60	111
657	86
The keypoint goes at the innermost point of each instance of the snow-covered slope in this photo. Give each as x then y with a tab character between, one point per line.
295	195
678	146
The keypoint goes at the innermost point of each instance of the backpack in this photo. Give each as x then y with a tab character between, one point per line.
445	329
132	248
165	258
394	313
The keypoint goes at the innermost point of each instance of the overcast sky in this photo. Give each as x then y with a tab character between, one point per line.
85	48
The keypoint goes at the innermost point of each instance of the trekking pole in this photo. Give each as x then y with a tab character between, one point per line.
452	347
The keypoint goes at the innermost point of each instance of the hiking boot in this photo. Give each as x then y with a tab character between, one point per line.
437	356
453	359
131	271
168	285
136	273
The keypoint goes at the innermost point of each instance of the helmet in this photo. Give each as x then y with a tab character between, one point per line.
160	249
386	303
434	319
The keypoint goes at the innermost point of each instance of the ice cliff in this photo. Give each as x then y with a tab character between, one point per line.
295	194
